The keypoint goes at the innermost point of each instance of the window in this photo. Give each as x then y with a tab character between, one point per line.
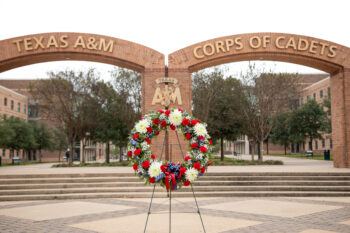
25	108
18	107
12	104
316	144
3	152
323	143
33	111
321	93
331	143
314	96
5	101
329	92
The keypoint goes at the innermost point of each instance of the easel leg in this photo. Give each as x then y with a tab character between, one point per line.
149	208
170	210
198	211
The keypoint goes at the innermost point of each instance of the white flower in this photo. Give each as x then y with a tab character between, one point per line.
142	126
154	170
144	146
175	117
199	156
191	174
200	130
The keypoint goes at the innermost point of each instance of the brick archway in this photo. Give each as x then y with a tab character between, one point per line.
320	54
62	46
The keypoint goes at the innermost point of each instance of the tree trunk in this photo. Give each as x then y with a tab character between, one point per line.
39	155
310	144
120	153
267	146
107	152
222	148
260	157
83	152
59	156
71	154
285	148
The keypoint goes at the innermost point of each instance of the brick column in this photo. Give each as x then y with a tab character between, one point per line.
340	94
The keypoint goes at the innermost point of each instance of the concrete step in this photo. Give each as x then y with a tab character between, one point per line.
202	178
174	194
196	184
131	174
161	189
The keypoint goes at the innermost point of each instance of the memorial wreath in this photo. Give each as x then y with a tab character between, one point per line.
167	173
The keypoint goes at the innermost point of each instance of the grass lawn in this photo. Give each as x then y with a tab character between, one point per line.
303	156
237	162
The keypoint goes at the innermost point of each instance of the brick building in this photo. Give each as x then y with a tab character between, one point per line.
314	86
17	91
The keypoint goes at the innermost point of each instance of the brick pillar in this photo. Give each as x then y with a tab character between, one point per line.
340	94
185	83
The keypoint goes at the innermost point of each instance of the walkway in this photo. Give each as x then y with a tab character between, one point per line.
224	215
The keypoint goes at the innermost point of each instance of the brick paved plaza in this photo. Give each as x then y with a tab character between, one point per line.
306	215
231	214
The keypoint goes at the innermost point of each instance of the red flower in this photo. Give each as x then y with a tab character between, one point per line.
137	151
156	121
180	109
203	149
194	122
187	157
185	121
153	156
167	112
194	145
187	183
201	138
146	164
148	140
163	123
188	136
156	132
210	141
197	165
129	153
135	166
202	170
173	127
163	168
135	136
149	129
183	170
152	180
161	111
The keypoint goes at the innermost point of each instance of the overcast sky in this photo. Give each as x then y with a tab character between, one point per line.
167	26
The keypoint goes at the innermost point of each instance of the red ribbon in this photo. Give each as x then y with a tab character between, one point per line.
170	179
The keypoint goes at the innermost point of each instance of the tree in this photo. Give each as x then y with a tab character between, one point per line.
42	137
7	134
127	84
111	107
266	94
280	133
64	98
21	135
217	101
59	141
309	121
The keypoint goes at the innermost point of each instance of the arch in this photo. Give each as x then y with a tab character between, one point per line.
308	51
317	53
57	46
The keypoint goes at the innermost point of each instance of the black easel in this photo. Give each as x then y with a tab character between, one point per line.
169	191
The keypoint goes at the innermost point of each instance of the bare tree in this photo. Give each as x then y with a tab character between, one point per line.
267	94
63	98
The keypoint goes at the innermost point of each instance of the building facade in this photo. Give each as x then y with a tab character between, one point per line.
16	101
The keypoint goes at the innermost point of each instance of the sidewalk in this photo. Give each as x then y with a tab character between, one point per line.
290	165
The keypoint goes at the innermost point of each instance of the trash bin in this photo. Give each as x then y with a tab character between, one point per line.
327	155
